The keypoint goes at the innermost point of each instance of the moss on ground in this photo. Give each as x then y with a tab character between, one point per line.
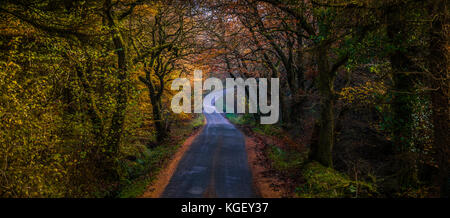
239	119
198	121
323	182
288	163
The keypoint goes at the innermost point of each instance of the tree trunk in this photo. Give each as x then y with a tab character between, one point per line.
403	86
322	153
438	65
405	168
299	100
118	116
160	126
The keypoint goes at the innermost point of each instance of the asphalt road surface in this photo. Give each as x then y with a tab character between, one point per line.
216	163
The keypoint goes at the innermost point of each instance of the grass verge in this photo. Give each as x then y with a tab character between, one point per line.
149	162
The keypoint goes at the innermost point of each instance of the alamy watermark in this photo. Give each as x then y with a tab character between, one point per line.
213	102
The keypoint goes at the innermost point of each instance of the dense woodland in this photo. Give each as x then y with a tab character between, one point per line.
85	88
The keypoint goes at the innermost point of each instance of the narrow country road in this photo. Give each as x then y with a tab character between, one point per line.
216	163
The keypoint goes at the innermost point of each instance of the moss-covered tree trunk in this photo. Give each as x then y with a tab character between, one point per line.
324	146
119	113
155	100
403	86
402	98
118	117
160	126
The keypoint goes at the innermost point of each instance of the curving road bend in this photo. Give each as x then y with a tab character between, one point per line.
216	163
